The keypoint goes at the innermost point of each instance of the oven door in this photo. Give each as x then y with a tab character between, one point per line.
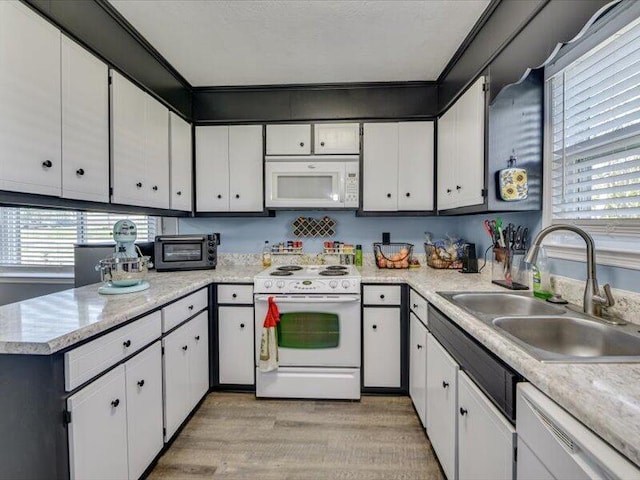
314	330
306	184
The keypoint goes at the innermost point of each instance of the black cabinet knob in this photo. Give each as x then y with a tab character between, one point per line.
408	194
448	190
185	348
242	325
388	195
80	172
219	196
419	346
47	164
463	411
141	383
458	187
302	144
322	144
445	384
381	296
197	337
237	195
155	188
415	305
115	403
235	295
178	193
127	343
190	307
139	184
375	327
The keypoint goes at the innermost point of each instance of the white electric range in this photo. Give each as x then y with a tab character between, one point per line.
318	333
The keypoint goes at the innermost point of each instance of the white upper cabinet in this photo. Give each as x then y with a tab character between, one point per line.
415	166
380	167
461	150
85	124
229	169
288	139
340	138
140	146
181	166
398	166
30	131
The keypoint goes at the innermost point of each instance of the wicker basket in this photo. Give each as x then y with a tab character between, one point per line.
392	255
435	260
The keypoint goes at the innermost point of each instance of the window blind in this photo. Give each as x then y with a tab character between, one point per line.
595	132
39	237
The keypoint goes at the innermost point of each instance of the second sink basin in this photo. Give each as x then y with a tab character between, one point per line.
571	337
504	304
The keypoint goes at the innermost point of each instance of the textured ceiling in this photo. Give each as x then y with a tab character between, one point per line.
248	42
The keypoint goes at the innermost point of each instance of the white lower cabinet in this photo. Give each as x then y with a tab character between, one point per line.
381	343
186	370
235	345
442	376
486	440
144	408
116	421
418	366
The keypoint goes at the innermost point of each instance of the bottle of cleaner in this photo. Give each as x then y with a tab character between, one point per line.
266	254
541	276
358	260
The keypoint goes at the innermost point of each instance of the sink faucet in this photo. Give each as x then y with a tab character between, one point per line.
593	301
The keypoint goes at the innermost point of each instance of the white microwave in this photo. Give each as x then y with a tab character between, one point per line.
318	181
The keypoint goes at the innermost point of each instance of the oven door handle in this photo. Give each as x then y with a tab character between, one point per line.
306	299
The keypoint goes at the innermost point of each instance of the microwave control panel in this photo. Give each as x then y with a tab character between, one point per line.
351	186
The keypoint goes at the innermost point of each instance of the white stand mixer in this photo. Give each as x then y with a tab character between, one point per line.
124	272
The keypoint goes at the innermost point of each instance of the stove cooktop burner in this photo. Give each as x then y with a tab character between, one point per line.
332	273
280	273
289	268
336	267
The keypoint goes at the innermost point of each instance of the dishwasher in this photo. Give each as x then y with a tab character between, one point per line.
554	445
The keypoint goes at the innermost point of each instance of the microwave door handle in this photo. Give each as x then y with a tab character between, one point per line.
283	300
180	239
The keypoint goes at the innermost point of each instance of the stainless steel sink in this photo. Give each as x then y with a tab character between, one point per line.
565	337
505	304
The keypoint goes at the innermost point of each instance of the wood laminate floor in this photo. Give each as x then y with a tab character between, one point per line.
235	436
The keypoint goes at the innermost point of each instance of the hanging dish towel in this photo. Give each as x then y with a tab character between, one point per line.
269	341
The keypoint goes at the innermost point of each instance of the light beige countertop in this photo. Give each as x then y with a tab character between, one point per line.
605	397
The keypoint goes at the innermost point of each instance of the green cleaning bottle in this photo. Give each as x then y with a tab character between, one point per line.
541	276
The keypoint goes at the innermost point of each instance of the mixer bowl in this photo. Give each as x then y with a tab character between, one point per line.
124	272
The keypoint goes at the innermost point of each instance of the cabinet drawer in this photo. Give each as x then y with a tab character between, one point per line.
418	306
381	295
85	362
177	312
242	294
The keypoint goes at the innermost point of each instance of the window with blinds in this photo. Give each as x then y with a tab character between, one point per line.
45	238
595	132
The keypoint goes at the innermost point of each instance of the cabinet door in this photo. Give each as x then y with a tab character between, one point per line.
128	170
381	333
235	345
470	158
486	440
85	124
30	138
143	375
447	154
415	166
246	192
380	167
177	395
181	167
336	138
198	341
98	429
212	169
442	415
156	128
418	366
288	139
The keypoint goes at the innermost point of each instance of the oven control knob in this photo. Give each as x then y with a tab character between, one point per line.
280	284
211	258
268	284
333	284
345	284
210	250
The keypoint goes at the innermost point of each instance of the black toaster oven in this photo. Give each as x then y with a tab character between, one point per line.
185	252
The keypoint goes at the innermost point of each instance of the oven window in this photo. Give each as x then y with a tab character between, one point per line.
181	252
306	187
308	330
